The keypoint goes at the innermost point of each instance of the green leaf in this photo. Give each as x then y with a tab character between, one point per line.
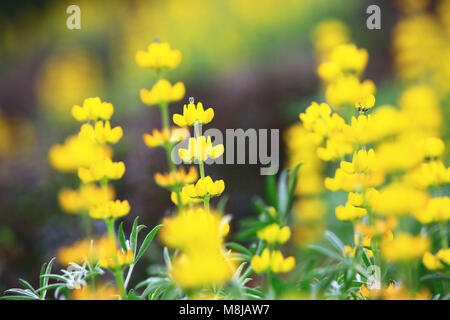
167	260
271	190
326	252
221	205
27	285
122	240
334	240
148	239
258	204
133	237
238	247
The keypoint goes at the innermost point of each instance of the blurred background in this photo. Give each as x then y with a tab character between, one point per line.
253	61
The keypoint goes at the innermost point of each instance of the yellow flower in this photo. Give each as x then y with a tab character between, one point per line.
192	113
353	182
163	92
76	152
365	103
348	90
179	177
362	161
329	34
185	199
205	187
110	209
337	146
102	169
79	201
272	260
101	132
194	230
158	56
274	234
399	200
404	247
434	147
428	174
202	269
433	262
349	58
99	293
200	149
120	259
318	119
160	138
350	212
436	210
93	109
79	252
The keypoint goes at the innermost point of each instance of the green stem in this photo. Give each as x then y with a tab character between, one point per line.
164	115
444	238
201	167
120	284
111	232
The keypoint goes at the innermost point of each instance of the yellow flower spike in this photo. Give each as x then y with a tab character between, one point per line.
200	148
192	113
119	259
159	138
349	58
101	132
102	169
93	109
274	234
362	161
436	210
79	201
158	56
163	92
179	177
110	209
204	187
272	260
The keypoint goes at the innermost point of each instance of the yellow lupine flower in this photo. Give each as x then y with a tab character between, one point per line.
76	152
432	173
272	260
355	199
79	201
99	170
348	90
329	34
399	200
436	210
202	269
99	293
353	182
362	161
93	109
434	147
110	209
163	92
204	187
185	199
405	247
192	113
193	230
79	252
101	132
274	234
433	262
160	138
179	177
200	149
120	259
349	58
158	56
365	103
350	212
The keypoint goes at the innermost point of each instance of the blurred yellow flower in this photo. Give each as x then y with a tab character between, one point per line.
110	209
178	177
436	210
160	138
102	169
99	293
433	262
163	92
88	195
404	247
93	109
158	56
274	234
273	261
101	132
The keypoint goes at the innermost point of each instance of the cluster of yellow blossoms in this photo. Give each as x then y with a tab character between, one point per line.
198	232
